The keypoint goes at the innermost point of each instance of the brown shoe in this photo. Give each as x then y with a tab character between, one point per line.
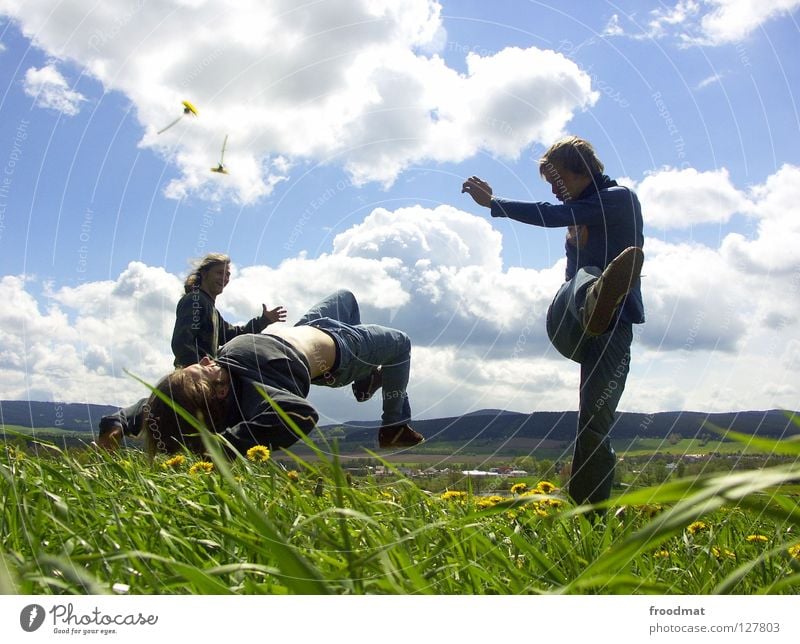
605	295
398	436
365	388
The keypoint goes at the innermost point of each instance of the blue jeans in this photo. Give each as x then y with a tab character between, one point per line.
361	348
605	362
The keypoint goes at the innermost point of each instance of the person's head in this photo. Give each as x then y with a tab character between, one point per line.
569	165
202	390
211	273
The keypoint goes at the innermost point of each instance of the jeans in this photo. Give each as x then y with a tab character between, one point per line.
361	348
605	362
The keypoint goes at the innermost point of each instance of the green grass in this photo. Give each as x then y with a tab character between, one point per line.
89	522
660	446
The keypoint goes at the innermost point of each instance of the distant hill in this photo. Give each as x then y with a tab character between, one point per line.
488	425
67	416
498	426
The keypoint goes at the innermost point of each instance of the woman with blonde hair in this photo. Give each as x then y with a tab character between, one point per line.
199	328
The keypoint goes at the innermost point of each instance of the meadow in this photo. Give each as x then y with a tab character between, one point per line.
84	521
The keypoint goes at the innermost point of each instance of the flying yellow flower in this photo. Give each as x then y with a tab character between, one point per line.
201	467
188	108
697	526
258	454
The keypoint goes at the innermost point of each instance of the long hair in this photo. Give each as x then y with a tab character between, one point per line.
201	266
165	431
573	154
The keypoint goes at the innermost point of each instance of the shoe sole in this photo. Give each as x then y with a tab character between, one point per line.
616	282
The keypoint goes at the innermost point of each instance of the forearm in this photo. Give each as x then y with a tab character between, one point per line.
130	419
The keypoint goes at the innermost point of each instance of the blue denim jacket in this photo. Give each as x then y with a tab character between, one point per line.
610	218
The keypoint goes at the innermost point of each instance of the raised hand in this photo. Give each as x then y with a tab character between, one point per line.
479	190
278	314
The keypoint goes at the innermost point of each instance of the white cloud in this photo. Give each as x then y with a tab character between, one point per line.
49	89
730	21
704	22
352	82
719	318
774	248
710	80
673	198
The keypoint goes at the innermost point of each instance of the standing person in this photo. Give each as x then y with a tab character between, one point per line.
590	318
199	328
329	346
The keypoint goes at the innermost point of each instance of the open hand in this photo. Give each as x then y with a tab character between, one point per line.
479	190
278	314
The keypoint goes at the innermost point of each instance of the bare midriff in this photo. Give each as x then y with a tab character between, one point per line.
317	346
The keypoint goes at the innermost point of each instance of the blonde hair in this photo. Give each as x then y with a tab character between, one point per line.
165	431
573	154
201	266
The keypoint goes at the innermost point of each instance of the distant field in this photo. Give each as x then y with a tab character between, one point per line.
647	446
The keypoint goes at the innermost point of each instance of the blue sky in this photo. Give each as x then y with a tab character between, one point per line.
351	126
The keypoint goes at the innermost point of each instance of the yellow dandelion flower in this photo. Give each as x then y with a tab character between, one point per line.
175	462
201	467
794	551
545	487
518	488
651	510
540	512
697	526
488	501
722	553
258	454
292	475
453	494
661	554
756	538
553	503
188	108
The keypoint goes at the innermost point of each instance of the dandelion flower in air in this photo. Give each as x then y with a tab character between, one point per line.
221	165
188	108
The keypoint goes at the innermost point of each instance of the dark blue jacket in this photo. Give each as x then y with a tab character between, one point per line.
611	219
257	363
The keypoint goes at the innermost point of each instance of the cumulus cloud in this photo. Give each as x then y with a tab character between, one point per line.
352	82
729	21
705	22
673	198
715	324
49	89
773	250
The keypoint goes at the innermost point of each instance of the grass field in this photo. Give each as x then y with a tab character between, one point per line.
89	522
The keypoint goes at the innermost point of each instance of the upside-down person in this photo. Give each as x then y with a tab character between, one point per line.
329	346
